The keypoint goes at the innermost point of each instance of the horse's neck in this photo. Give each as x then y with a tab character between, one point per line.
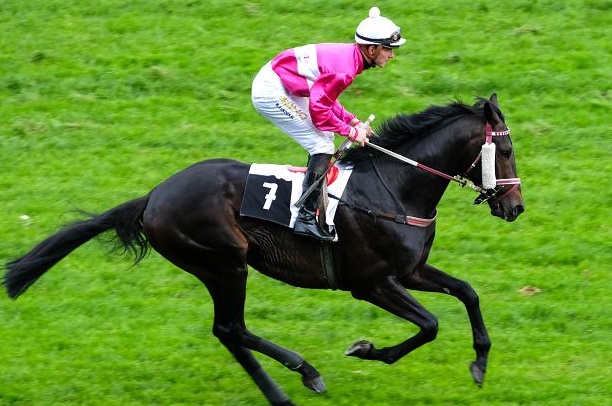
422	191
443	151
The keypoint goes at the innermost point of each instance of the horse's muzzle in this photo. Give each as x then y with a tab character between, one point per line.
509	214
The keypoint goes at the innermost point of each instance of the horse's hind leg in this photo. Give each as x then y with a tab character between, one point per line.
293	361
266	384
217	257
229	327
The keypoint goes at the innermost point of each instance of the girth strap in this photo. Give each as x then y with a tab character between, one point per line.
397	218
327	263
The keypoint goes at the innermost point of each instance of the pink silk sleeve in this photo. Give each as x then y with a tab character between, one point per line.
341	113
326	112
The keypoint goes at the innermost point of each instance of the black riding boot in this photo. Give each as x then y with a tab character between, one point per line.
306	222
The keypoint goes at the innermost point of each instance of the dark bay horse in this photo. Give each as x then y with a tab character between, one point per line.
193	220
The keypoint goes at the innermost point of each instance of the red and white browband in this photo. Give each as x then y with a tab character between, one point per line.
489	133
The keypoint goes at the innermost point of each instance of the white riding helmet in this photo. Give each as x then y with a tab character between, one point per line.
378	30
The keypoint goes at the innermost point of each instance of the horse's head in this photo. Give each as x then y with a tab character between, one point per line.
503	193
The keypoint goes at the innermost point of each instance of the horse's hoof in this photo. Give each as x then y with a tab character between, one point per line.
360	349
315	384
477	374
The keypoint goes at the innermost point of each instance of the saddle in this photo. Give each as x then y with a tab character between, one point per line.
332	174
271	193
272	190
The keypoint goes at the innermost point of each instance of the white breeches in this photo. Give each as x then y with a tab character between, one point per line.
288	112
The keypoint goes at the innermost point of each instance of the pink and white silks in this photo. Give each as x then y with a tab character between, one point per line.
298	92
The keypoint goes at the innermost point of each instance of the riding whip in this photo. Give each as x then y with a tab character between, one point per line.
345	144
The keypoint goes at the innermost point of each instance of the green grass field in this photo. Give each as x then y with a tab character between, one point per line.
103	100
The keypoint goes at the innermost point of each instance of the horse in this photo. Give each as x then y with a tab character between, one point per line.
192	219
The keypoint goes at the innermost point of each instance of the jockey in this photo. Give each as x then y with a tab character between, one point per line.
298	92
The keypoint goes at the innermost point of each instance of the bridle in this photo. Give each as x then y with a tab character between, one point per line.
500	190
497	193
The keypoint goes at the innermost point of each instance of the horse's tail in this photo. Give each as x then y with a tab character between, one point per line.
125	219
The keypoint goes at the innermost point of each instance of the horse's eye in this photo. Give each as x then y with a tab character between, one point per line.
505	153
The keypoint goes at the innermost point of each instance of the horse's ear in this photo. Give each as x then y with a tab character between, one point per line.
493	99
490	113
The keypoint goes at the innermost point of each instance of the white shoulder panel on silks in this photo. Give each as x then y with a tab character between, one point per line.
307	63
272	190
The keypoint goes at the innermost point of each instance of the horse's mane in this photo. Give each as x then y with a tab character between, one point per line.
403	129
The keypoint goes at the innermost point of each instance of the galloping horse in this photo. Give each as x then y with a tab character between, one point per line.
193	219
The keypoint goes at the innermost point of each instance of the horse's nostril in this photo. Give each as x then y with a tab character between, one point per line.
518	209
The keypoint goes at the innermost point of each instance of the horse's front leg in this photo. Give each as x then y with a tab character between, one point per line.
390	295
430	279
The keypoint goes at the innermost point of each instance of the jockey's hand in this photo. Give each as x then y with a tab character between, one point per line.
366	127
360	134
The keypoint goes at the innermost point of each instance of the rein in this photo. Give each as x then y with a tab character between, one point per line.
396	218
